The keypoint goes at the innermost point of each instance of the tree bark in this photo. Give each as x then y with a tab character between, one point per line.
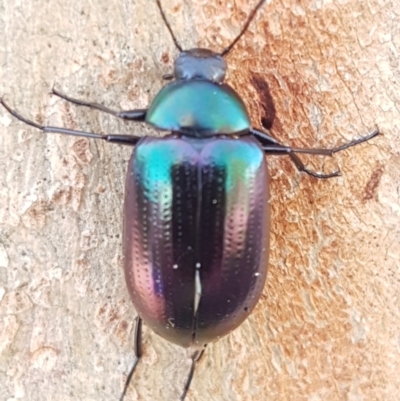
327	326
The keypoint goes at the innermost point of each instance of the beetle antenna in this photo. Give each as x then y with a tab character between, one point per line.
178	46
244	29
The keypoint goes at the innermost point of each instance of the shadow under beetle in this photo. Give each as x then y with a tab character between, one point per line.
196	217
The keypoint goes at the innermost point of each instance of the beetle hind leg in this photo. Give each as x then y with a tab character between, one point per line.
138	354
195	358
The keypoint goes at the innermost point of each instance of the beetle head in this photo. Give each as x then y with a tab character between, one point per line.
200	64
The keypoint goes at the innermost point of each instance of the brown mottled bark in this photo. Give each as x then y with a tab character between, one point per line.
327	327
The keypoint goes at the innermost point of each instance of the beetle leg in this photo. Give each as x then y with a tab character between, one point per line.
285	150
168	77
195	358
303	169
138	353
265	138
272	146
138	115
121	139
355	142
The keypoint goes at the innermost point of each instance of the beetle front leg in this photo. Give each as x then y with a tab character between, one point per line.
138	115
138	353
120	139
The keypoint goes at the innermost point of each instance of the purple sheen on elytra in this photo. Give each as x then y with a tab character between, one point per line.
196	205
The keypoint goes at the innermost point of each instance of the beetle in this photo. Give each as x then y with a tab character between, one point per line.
196	217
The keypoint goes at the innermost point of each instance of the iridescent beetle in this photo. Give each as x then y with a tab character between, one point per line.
196	217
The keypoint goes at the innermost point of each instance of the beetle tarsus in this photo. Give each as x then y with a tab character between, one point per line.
195	358
138	354
19	117
355	142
